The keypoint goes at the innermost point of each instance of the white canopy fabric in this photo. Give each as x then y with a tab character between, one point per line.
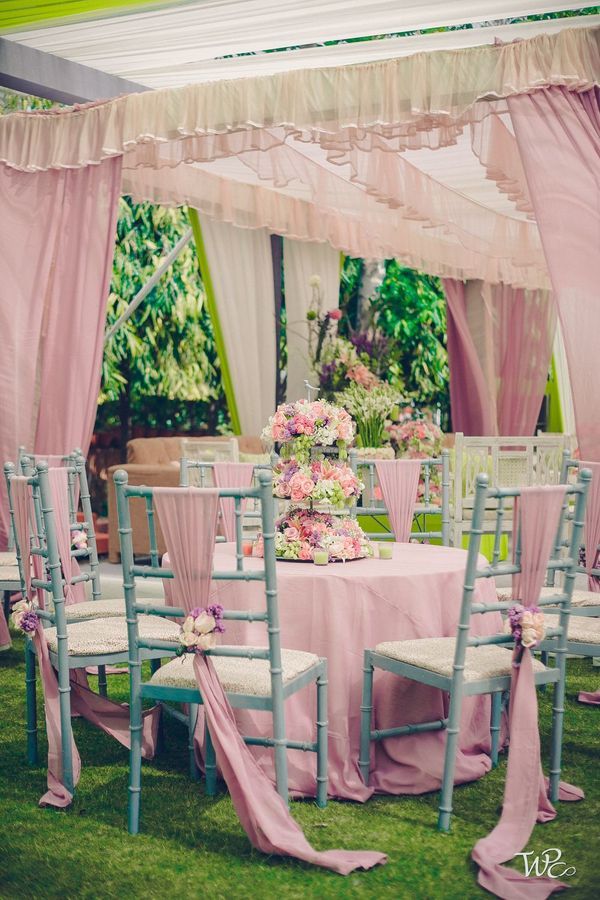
301	261
241	272
325	154
163	47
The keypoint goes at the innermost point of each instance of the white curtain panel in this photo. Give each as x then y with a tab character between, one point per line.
241	269
302	260
563	380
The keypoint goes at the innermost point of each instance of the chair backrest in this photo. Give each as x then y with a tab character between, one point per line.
196	473
558	562
265	573
206	450
570	468
433	498
43	513
508	461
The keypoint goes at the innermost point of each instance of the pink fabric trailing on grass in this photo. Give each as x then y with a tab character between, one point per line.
499	348
231	475
525	792
5	641
111	717
399	483
558	133
59	485
188	517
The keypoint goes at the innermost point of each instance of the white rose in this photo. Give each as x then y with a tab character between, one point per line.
206	641
529	636
188	625
204	623
187	639
21	606
315	281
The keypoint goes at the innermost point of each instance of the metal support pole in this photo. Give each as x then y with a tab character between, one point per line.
150	284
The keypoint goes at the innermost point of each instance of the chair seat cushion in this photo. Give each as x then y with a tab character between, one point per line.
437	655
103	609
8	558
96	637
579	598
9	573
582	629
237	674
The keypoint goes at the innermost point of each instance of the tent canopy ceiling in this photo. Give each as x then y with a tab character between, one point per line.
183	43
338	152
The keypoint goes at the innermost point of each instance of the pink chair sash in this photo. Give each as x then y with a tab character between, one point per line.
525	792
188	518
399	482
231	475
111	717
591	539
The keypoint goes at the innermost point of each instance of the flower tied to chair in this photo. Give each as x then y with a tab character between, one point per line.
200	629
526	624
24	617
526	791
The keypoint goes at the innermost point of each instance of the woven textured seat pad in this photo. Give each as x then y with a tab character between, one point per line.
8	558
9	573
582	629
237	675
437	655
580	598
109	635
104	609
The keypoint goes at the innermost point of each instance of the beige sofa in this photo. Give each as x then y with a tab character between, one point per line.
154	462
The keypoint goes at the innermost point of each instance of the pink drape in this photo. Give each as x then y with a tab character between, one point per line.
56	249
499	348
113	718
399	483
558	133
188	517
231	475
525	792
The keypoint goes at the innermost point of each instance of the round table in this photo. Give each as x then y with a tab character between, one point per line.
337	611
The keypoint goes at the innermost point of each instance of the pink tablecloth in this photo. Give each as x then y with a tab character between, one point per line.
337	611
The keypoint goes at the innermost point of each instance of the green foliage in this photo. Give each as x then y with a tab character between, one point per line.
411	308
162	360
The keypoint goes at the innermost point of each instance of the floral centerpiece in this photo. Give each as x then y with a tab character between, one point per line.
300	426
320	481
415	435
302	532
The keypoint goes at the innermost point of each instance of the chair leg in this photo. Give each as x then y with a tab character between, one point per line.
135	753
544	657
281	771
64	695
453	728
6	600
495	726
366	710
558	714
102	683
322	724
192	720
155	664
31	703
210	764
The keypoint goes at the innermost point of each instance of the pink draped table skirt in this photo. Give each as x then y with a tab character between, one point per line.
337	611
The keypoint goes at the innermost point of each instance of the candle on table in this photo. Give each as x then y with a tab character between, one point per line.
320	557
386	551
247	547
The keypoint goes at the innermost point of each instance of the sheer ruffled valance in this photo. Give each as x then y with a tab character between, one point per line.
415	101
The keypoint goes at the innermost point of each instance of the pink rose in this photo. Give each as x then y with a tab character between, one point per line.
291	533
335	314
305	552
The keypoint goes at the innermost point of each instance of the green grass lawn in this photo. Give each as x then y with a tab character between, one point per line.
192	846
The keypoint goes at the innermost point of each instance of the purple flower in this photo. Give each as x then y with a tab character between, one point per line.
29	622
